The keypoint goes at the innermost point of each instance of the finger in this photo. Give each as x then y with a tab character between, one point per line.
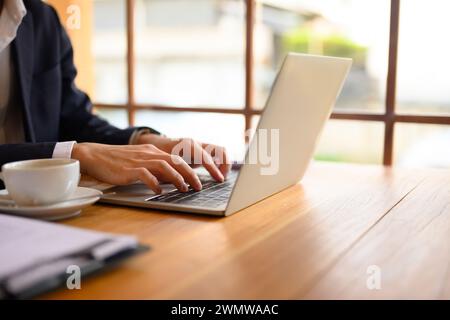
220	157
181	167
225	164
185	170
146	177
209	165
225	168
164	171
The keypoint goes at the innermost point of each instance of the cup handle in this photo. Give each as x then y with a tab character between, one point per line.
1	176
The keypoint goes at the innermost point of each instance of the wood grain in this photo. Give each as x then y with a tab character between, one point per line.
282	247
292	258
411	247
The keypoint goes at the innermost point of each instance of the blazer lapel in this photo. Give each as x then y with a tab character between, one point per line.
23	47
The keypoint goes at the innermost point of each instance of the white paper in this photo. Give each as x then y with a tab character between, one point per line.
26	244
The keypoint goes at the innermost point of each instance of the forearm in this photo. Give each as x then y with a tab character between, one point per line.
85	127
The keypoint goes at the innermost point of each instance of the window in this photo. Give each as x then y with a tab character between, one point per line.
109	49
354	29
423	68
190	53
174	64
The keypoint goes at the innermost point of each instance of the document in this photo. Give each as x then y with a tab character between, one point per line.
32	251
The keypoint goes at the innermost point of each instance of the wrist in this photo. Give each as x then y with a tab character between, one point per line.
157	140
80	153
76	151
160	141
147	138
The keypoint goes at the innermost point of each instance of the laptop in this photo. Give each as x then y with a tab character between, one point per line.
301	101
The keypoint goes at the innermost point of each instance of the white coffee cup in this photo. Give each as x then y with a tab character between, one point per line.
41	182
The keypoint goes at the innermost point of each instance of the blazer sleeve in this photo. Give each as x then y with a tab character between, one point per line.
77	122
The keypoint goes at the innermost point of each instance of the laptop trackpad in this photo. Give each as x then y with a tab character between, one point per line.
136	190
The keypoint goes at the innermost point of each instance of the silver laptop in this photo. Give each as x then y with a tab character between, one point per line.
300	103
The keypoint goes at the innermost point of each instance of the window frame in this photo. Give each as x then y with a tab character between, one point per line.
389	118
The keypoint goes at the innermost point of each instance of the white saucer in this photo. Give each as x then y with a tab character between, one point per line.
58	211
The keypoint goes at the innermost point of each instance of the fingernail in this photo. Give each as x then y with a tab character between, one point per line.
185	188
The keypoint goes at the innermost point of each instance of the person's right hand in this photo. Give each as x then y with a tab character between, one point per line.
122	165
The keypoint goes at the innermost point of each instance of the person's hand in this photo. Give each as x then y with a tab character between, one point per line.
213	158
122	165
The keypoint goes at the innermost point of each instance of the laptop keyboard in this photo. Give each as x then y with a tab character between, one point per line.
212	195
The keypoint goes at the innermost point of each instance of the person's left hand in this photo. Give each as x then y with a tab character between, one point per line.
213	158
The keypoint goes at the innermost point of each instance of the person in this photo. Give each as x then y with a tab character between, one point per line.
44	115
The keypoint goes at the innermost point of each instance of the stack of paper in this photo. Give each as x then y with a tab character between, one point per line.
35	255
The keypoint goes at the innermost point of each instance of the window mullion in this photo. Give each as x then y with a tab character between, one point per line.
130	12
249	62
391	83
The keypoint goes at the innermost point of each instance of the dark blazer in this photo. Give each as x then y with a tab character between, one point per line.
53	108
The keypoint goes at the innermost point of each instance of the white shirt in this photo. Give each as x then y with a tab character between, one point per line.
11	123
12	14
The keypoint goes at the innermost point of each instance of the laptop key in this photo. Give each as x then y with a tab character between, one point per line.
212	195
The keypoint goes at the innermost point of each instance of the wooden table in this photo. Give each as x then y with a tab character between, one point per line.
326	238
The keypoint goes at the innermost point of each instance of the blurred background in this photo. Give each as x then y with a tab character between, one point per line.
191	56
